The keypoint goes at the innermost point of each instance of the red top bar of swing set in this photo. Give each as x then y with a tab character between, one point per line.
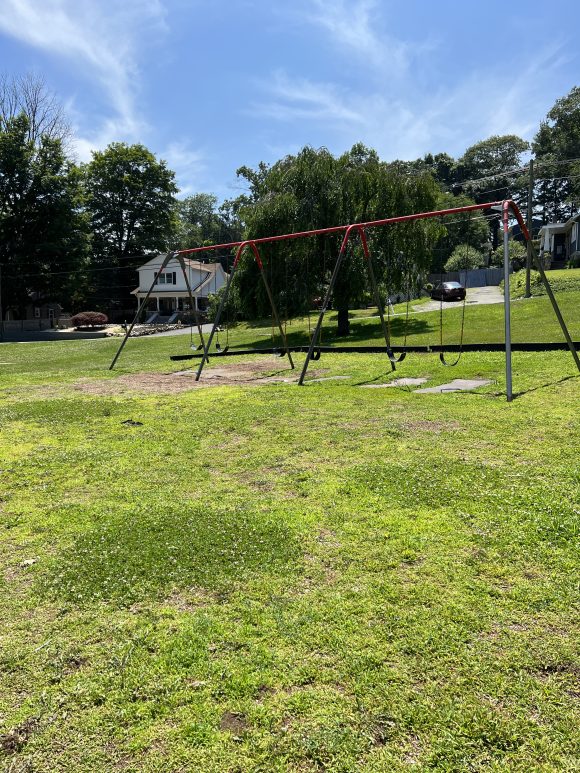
505	205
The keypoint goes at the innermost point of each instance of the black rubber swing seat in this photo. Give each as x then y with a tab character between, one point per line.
316	354
449	364
219	349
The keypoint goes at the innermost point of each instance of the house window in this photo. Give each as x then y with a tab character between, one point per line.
167	278
37	312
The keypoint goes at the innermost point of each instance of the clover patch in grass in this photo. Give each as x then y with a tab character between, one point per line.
128	557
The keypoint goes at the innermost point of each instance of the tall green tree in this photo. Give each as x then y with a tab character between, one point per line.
470	228
312	190
43	231
201	222
557	150
130	198
491	170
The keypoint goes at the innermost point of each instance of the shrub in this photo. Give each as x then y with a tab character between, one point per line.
516	250
89	319
463	258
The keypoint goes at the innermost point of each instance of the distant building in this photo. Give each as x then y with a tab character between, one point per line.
42	312
170	294
559	242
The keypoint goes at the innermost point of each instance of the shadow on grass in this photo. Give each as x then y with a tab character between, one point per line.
128	557
544	386
359	332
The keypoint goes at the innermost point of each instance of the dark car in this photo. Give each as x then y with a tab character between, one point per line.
448	291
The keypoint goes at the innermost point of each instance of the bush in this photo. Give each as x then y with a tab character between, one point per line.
517	254
463	258
89	319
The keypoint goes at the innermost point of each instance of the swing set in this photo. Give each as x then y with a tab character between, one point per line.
508	208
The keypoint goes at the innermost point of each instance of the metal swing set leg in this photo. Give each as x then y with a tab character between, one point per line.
316	335
218	316
169	256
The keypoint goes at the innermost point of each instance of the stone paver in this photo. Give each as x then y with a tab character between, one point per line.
457	385
397	382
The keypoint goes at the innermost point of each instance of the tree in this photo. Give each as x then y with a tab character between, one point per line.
313	190
43	231
516	250
131	203
557	150
458	228
495	158
463	258
200	222
490	170
29	95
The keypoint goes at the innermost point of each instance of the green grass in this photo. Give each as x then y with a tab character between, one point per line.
561	281
533	319
278	578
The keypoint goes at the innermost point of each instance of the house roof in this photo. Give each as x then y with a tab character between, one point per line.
195	264
560	228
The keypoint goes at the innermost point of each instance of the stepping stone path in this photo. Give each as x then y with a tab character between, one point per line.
457	385
397	382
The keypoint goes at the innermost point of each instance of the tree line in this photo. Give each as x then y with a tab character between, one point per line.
74	233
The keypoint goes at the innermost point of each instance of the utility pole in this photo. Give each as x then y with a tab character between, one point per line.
530	226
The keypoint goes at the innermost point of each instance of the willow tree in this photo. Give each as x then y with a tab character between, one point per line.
312	190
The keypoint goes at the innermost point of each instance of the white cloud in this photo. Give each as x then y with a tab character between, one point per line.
356	25
100	39
188	164
391	108
293	100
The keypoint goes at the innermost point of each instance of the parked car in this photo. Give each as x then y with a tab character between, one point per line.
448	291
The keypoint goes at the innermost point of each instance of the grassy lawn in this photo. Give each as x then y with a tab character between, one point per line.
533	319
274	578
561	280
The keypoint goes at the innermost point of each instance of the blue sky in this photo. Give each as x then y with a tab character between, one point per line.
211	85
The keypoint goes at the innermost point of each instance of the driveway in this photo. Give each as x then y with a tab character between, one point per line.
476	296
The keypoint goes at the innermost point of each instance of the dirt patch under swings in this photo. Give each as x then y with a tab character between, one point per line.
253	373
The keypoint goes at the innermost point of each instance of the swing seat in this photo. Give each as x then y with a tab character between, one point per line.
449	364
278	353
219	349
316	354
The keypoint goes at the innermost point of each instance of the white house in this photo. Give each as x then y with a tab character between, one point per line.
561	241
170	294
